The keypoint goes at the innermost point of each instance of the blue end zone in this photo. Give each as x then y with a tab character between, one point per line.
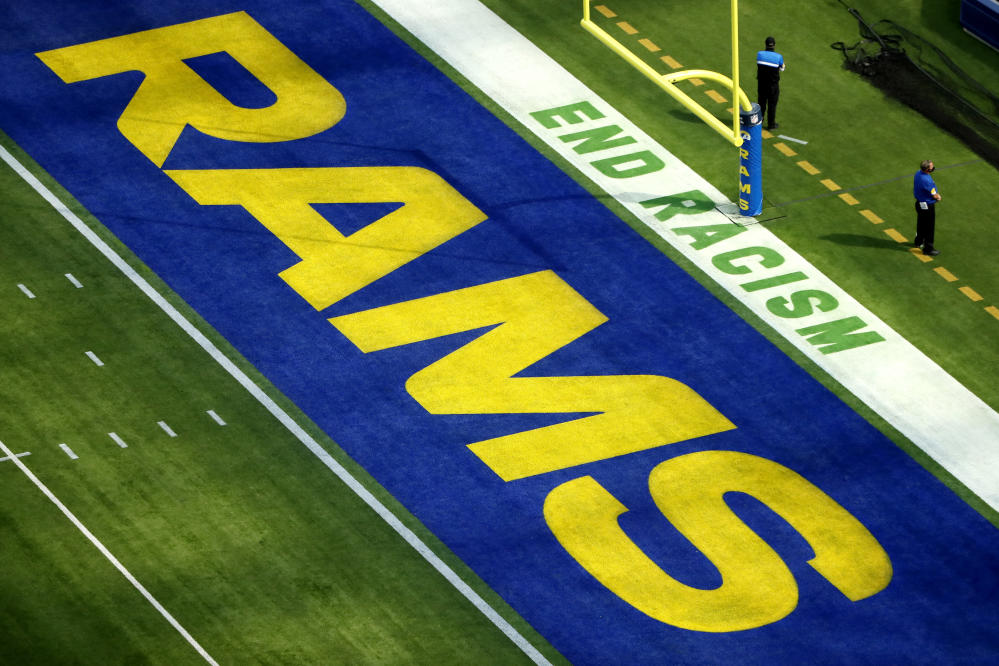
940	605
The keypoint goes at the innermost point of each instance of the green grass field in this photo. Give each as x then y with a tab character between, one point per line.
242	532
239	529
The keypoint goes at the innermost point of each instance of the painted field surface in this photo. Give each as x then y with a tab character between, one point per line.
561	311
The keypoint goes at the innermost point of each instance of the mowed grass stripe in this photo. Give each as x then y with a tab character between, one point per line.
260	550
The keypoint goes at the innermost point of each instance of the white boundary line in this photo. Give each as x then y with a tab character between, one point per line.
106	553
310	443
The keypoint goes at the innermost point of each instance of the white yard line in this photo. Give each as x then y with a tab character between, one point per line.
910	391
167	429
258	393
106	553
25	291
215	417
16	455
788	138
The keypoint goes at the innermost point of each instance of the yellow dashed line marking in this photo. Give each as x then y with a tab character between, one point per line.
869	214
671	61
945	274
993	310
971	293
696	82
809	169
605	11
624	25
649	44
895	236
918	254
849	199
784	148
831	184
766	134
716	96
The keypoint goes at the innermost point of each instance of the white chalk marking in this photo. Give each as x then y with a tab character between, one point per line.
17	455
27	292
93	357
68	451
76	283
166	428
282	416
790	138
216	417
111	558
118	440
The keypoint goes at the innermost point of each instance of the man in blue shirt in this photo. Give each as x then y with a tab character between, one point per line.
925	191
769	65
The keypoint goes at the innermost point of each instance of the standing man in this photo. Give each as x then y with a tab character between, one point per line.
769	65
925	191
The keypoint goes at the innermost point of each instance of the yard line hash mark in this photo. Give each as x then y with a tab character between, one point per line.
215	417
76	283
93	357
118	440
68	451
16	455
167	429
791	138
27	292
110	557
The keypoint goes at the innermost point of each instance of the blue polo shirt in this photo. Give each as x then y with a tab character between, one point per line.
769	65
923	187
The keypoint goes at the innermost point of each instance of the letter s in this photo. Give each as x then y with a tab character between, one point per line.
757	587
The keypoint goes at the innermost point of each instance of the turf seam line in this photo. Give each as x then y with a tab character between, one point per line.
107	554
280	414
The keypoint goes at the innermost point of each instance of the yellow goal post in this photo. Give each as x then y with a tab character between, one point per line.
668	81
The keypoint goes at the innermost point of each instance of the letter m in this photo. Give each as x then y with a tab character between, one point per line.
837	336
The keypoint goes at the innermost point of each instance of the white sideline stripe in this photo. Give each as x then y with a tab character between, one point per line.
788	138
166	428
68	451
27	292
216	417
16	455
307	440
106	553
893	378
118	440
76	283
93	357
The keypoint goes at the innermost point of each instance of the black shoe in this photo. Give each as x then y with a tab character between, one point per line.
931	251
917	242
773	127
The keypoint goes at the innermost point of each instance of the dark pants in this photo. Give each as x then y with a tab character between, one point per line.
768	94
926	222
